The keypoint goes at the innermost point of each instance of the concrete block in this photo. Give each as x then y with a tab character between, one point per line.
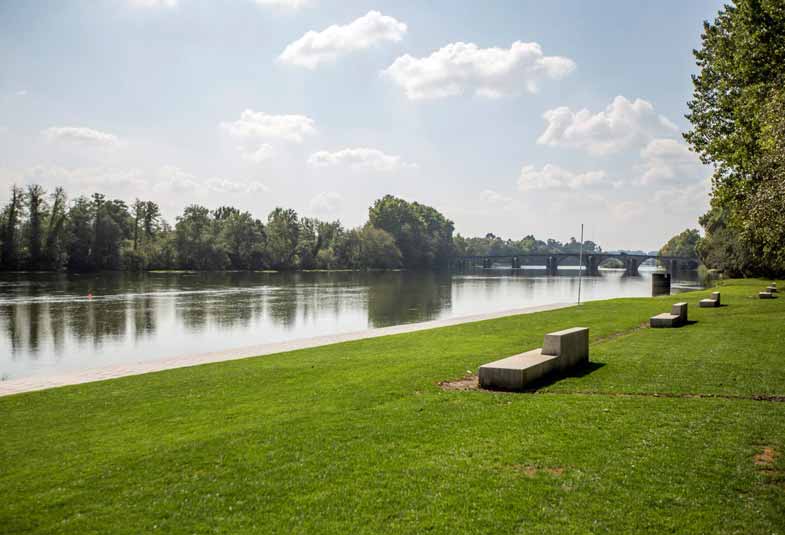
708	303
561	350
680	309
772	289
664	320
514	373
716	297
765	295
571	345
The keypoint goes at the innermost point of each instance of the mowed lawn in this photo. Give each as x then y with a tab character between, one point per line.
668	431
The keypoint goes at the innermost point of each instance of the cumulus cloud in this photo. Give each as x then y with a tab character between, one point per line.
554	177
621	125
690	200
174	180
326	203
222	185
80	135
458	68
493	197
316	48
359	158
256	154
154	3
259	125
668	160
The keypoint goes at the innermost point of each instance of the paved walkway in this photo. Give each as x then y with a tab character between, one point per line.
29	384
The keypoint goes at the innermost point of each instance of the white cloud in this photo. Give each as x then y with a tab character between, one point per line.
175	180
491	196
554	177
326	203
622	124
259	125
627	210
80	135
668	160
691	200
359	158
458	68
172	179
21	93
289	4
258	154
222	185
3	129
315	48
154	3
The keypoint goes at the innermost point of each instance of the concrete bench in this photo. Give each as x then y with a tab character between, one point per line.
772	289
676	318
560	351
714	301
765	295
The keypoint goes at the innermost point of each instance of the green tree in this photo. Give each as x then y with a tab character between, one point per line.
196	240
283	232
683	244
36	213
11	216
421	233
736	105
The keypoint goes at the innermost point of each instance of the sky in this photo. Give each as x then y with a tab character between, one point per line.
513	117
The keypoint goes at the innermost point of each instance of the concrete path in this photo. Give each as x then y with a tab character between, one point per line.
30	384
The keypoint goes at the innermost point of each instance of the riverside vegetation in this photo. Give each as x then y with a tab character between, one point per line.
678	430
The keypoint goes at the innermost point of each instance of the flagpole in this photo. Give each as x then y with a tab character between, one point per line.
580	267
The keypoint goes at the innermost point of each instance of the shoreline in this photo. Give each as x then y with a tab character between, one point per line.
37	383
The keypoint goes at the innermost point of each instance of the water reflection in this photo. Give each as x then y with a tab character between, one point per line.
49	323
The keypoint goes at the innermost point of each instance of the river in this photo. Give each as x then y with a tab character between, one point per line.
54	323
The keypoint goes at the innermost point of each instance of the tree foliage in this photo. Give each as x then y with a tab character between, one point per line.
737	125
683	244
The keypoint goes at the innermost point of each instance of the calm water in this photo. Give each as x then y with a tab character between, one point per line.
48	324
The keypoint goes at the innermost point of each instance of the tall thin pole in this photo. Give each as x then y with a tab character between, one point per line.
580	267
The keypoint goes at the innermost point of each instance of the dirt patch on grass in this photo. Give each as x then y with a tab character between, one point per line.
467	382
765	459
531	471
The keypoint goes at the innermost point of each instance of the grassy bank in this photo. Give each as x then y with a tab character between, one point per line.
669	430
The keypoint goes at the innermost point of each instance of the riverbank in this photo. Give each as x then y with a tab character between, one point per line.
32	384
667	431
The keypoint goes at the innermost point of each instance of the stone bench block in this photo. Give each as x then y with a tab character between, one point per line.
664	320
680	309
514	373
571	345
560	351
772	289
714	301
765	295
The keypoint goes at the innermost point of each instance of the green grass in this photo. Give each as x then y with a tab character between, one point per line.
358	437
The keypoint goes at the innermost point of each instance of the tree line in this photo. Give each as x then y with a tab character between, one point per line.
46	231
738	126
41	231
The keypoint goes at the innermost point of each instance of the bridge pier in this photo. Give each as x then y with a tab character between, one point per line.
551	266
631	267
593	265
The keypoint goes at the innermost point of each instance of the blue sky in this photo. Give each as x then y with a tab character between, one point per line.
511	117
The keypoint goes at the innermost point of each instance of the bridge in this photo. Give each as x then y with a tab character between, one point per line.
591	261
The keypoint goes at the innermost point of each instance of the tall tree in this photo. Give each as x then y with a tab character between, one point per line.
742	71
36	211
10	227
